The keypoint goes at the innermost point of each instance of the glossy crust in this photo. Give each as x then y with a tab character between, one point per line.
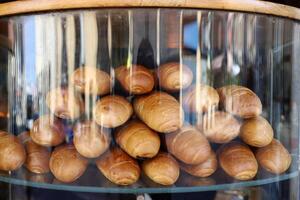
12	152
257	132
188	145
66	164
219	127
162	169
238	161
135	79
112	111
240	101
47	131
118	167
90	140
138	140
274	157
160	111
169	77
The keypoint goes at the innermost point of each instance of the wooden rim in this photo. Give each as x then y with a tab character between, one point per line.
253	6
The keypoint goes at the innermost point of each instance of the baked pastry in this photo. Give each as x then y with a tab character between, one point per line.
138	140
188	145
12	152
160	111
274	157
257	132
162	169
90	140
135	79
66	164
118	167
173	77
112	111
238	161
240	101
219	127
47	131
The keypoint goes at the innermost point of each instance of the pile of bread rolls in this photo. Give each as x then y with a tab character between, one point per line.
147	133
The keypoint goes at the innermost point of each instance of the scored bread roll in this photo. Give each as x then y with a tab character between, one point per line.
240	101
204	169
219	127
138	140
257	132
12	152
135	79
274	157
173	77
66	164
112	111
90	140
162	169
47	131
160	111
238	161
188	145
118	167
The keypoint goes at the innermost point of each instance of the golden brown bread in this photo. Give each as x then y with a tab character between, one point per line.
172	78
90	80
66	164
90	140
12	152
162	169
47	131
204	169
219	127
138	140
274	157
160	111
188	145
64	103
238	161
240	101
257	132
135	79
112	111
118	167
200	98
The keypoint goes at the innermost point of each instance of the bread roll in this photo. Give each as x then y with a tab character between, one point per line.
118	167
12	152
112	111
135	79
47	131
160	111
162	169
64	103
238	161
138	140
274	157
219	127
188	145
66	164
172	78
200	98
90	80
240	101
204	169
90	140
257	132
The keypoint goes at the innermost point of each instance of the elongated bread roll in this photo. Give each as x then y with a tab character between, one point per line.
118	167
138	140
160	111
188	145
